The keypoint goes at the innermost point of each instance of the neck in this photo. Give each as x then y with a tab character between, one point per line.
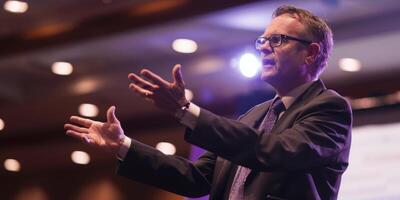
283	89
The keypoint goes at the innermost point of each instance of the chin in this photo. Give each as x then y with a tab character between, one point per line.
271	78
267	75
266	78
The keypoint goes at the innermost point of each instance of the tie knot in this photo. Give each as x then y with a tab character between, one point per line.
278	106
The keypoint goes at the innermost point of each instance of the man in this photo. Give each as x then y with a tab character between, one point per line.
295	146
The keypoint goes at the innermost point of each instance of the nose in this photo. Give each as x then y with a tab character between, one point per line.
266	48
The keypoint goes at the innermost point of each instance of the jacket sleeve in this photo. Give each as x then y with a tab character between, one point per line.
317	137
175	174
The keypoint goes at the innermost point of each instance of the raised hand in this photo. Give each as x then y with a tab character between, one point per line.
106	135
165	95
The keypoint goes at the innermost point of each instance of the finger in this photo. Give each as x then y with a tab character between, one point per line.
111	118
139	90
77	135
154	78
76	128
139	80
177	75
84	137
81	121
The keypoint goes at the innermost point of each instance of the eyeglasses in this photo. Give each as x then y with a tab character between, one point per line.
275	40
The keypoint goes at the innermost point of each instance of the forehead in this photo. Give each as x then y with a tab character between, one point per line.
285	24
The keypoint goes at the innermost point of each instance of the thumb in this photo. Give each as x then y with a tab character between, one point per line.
177	75
111	118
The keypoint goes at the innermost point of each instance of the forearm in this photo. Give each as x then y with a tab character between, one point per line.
230	139
172	173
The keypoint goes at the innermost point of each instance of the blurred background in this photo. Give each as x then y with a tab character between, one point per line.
60	58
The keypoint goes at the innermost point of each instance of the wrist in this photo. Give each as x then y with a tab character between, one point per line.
123	148
117	144
121	139
180	112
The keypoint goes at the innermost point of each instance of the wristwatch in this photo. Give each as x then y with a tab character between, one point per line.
181	111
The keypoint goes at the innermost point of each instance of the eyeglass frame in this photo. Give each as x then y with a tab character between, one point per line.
258	45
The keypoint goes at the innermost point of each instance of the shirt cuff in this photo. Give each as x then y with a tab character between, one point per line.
124	148
190	116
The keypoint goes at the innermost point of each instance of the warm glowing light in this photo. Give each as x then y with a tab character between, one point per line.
12	165
62	68
101	189
1	124
166	147
350	64
80	157
249	65
47	30
88	110
392	98
86	86
16	6
184	46
188	94
156	6
31	192
363	103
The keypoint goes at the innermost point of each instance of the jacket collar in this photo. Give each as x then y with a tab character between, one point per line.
260	110
314	90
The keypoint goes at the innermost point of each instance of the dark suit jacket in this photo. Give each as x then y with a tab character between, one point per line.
303	157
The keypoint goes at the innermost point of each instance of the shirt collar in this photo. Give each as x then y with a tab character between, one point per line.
291	96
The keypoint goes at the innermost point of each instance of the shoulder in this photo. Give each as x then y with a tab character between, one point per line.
330	96
327	102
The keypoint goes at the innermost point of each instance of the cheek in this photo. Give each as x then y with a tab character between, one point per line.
284	60
290	59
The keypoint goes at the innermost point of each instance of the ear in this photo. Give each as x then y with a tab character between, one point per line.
312	53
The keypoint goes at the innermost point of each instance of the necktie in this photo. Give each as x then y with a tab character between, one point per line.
237	189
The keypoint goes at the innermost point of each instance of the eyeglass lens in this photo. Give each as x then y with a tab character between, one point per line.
274	41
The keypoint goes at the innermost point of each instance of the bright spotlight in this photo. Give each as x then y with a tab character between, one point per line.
188	94
184	45
1	124
12	165
166	147
80	157
15	6
249	65
88	110
62	68
350	64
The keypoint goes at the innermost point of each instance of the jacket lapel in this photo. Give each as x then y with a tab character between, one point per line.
314	90
227	167
257	115
221	182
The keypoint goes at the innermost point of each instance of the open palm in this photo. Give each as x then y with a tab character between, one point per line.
106	135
